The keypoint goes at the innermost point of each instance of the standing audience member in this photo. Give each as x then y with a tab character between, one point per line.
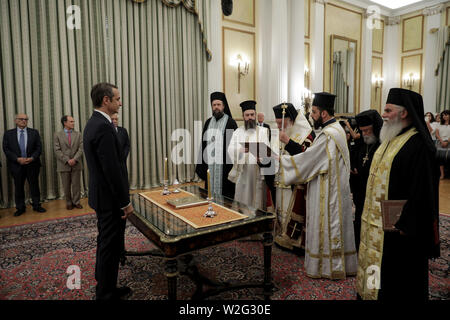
443	138
261	123
22	147
403	168
431	124
122	135
108	189
68	145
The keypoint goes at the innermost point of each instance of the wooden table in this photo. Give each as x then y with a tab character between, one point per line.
175	239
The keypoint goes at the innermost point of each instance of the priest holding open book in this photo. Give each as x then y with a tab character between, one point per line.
247	172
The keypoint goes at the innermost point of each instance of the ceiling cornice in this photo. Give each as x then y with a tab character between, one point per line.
396	12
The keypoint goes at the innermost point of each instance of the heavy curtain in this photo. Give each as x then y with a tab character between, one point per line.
443	69
155	52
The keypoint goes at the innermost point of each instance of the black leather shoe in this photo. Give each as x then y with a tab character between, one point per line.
122	292
39	209
18	212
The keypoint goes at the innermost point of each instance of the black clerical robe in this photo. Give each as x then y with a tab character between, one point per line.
414	177
228	187
362	161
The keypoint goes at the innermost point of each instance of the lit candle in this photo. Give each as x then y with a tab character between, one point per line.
165	169
209	185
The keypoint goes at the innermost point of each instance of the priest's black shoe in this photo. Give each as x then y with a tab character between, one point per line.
122	292
18	212
39	209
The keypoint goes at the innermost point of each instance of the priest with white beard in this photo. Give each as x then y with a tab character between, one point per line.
247	172
394	265
325	167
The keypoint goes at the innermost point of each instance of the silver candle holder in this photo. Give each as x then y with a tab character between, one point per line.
210	213
176	184
166	188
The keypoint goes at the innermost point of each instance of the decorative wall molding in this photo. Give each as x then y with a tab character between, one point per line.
431	11
320	1
391	21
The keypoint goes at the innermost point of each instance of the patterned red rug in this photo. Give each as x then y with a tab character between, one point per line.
34	260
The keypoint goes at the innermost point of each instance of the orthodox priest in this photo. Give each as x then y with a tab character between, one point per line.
296	136
369	123
325	168
216	134
394	265
248	171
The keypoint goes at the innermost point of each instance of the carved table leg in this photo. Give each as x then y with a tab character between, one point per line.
268	286
171	268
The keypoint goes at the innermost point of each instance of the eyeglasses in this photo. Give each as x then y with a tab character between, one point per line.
22	119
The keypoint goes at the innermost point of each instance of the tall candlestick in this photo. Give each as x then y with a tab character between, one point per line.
165	169
209	184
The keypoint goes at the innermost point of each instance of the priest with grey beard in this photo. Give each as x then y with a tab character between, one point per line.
247	172
394	265
369	123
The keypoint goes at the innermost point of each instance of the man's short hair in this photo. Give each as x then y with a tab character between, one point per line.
63	119
101	90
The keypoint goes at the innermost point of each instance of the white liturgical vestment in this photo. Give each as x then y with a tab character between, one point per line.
246	174
325	167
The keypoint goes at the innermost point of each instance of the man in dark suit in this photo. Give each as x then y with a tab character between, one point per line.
122	134
261	123
108	189
124	142
22	147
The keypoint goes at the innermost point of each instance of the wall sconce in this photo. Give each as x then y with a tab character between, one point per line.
243	67
306	76
377	81
409	80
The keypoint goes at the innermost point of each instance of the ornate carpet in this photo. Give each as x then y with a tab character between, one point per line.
34	259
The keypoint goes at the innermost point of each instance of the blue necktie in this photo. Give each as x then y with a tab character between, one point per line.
22	144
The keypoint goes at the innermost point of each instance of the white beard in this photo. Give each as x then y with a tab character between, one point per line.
370	139
390	129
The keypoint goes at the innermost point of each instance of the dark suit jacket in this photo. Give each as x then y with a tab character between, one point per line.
12	149
124	141
108	181
265	125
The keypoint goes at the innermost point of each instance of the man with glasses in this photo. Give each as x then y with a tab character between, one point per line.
22	147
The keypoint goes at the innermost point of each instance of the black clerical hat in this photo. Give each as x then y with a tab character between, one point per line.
248	105
413	103
291	112
370	118
221	96
324	101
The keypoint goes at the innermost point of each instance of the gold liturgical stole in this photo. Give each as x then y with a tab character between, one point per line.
372	235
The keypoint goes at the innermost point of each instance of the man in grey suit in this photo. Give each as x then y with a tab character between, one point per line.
69	152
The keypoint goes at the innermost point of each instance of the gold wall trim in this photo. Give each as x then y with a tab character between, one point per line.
381	88
421	35
448	16
308	52
240	22
382	38
254	62
308	35
420	71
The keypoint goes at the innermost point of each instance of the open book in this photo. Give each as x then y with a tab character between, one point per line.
390	212
260	150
